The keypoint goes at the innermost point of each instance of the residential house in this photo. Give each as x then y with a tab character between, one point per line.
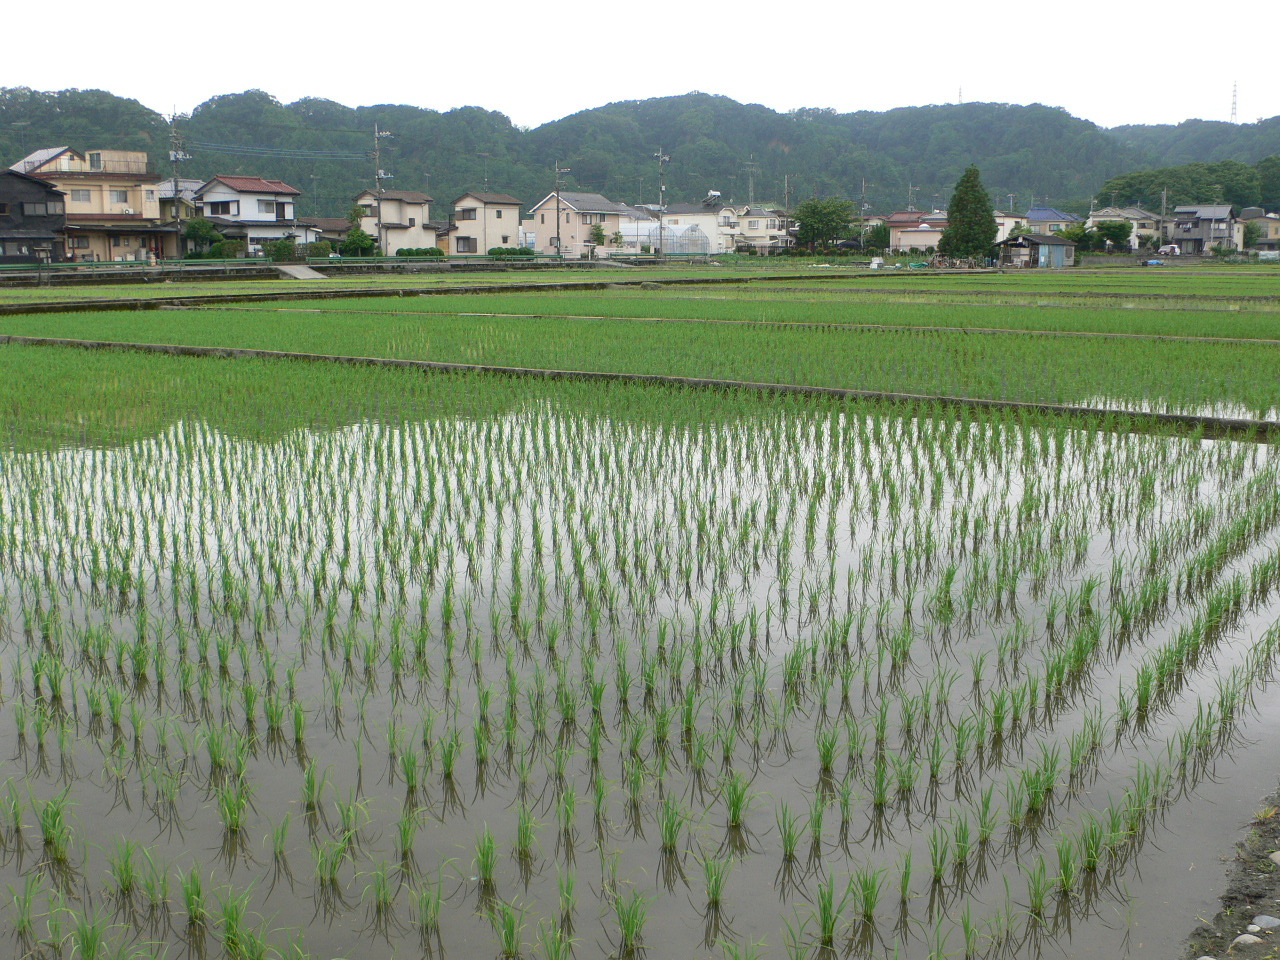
1268	226
1037	250
563	222
1006	224
762	229
1050	220
333	229
915	229
1143	222
112	201
397	219
718	221
1197	229
256	210
177	209
483	221
33	219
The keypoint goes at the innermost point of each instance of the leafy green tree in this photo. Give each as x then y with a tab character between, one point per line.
1117	231
823	219
1252	233
971	223
355	215
202	232
357	244
1269	182
596	235
877	238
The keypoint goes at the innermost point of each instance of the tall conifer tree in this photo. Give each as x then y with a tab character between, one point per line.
971	223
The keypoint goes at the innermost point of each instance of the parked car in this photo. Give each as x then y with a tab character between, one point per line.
1170	250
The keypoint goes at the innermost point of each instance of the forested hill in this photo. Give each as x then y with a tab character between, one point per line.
1200	141
715	143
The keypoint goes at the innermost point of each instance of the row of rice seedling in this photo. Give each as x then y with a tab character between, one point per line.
1167	376
416	673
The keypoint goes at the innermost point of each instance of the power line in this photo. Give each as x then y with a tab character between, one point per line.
287	153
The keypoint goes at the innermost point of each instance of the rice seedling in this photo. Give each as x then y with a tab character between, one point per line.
630	911
486	857
715	874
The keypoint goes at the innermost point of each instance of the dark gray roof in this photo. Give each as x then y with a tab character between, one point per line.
589	203
1209	211
1038	238
489	197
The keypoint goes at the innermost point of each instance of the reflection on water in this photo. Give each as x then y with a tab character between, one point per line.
453	685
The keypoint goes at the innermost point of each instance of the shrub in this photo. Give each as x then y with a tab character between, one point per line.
227	250
320	248
419	252
282	249
511	252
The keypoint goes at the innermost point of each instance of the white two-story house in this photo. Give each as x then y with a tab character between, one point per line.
253	209
397	219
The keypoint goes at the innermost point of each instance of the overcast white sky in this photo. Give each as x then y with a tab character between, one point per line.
1111	62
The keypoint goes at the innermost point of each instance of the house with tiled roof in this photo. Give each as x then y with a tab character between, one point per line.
33	219
915	229
112	201
1050	220
1198	228
256	210
484	220
397	219
563	222
1143	222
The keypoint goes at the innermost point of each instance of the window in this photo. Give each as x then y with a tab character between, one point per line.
79	196
1055	227
1144	225
497	214
753	224
78	243
224	208
466	244
542	218
95	161
150	194
586	218
505	239
566	218
773	224
119	196
466	213
413	222
115	241
56	208
267	206
128	241
35	209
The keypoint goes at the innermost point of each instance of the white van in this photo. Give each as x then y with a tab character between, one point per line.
1170	250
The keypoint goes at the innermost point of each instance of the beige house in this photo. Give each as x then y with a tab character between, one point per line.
563	223
177	209
113	201
397	219
915	229
483	221
1141	221
1268	226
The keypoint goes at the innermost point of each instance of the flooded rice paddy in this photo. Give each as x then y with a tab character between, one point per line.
817	679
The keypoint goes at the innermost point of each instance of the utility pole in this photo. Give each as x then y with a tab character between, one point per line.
559	170
662	197
486	168
1011	196
786	194
176	156
752	168
1234	88
911	196
378	176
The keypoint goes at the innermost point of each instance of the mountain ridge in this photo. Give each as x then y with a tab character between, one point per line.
746	151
